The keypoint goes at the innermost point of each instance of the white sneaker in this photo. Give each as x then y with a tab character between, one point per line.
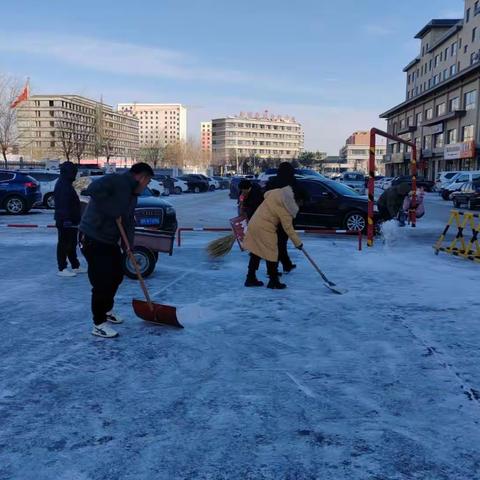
66	273
79	270
104	330
114	318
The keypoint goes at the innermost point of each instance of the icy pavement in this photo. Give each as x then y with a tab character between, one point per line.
382	383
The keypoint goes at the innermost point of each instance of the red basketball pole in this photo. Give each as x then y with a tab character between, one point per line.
371	178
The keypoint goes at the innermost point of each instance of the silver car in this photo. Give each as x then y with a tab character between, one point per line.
354	180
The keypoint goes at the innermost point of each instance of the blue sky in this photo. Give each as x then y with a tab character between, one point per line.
334	65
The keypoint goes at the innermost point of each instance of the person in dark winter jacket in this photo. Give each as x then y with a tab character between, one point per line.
285	178
67	218
391	201
111	197
251	195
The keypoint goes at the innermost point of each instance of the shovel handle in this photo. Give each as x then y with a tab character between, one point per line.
134	261
315	266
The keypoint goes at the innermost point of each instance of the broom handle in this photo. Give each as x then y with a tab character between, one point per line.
134	261
315	265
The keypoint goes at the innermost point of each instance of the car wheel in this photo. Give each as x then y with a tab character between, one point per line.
15	205
445	194
146	262
197	190
355	221
211	188
177	190
49	201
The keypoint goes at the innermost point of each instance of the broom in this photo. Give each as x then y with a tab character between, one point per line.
221	246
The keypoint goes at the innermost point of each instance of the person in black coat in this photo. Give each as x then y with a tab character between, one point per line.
67	218
285	177
252	196
112	197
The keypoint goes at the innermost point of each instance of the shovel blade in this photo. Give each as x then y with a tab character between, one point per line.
156	313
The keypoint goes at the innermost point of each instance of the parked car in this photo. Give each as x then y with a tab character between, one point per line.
157	187
213	184
18	192
223	181
427	185
468	195
264	177
387	182
354	180
196	183
234	191
179	186
47	180
332	205
458	181
444	178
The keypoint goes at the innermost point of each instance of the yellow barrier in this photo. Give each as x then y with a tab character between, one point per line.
461	246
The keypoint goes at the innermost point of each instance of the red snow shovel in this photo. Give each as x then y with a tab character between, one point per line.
147	310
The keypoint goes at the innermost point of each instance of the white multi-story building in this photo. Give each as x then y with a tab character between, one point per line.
52	126
159	123
256	135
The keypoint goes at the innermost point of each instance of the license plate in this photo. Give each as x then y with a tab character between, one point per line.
150	221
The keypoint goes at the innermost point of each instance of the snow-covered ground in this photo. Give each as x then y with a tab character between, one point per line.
381	383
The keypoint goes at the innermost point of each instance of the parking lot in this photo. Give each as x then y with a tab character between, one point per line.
378	383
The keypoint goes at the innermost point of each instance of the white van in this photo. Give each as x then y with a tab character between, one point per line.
444	178
458	181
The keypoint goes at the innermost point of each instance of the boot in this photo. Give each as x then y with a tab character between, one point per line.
252	281
275	284
289	268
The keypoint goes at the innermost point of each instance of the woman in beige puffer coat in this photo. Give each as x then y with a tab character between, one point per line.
279	207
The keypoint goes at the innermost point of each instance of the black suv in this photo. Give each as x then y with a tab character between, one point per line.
421	182
196	183
332	205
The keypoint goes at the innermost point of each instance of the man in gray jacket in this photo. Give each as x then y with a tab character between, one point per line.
111	197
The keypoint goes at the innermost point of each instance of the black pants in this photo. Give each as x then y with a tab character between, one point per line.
254	263
105	272
383	214
282	240
67	247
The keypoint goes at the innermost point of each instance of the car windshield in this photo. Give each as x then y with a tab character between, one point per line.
355	177
146	193
306	171
342	189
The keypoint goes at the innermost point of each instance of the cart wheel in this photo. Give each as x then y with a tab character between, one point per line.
146	262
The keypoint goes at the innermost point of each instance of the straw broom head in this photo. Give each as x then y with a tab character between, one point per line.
221	246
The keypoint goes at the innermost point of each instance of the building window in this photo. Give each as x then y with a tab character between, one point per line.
52	144
453	70
427	142
445	54
439	140
467	16
455	104
467	133
419	119
475	9
470	99
454	48
437	59
429	113
430	64
452	136
441	109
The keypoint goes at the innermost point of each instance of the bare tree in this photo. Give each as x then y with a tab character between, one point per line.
74	137
153	154
9	133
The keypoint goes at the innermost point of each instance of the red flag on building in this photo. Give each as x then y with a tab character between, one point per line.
22	97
